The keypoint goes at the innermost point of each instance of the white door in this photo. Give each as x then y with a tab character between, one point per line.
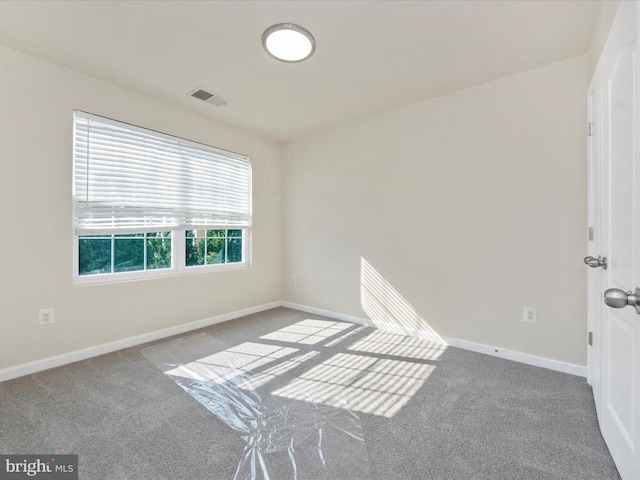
616	352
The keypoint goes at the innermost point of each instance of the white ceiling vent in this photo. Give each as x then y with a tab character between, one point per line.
212	98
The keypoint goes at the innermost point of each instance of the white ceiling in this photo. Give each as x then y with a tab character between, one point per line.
371	56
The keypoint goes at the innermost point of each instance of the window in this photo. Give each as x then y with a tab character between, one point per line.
128	252
147	204
211	247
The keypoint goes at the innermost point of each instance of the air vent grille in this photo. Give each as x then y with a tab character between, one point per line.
208	97
202	95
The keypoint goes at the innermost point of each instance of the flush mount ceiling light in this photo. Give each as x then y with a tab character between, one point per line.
288	42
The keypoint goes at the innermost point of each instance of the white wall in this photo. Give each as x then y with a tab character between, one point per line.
465	208
36	107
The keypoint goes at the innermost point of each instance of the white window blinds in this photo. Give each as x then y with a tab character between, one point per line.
128	178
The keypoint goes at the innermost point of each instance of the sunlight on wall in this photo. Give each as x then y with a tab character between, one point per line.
388	309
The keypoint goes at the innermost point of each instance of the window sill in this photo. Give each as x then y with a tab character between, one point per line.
126	277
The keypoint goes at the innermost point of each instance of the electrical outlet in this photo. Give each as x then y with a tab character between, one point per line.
315	283
529	314
45	316
293	280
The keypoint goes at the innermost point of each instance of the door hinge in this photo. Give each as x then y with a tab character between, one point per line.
590	338
591	234
590	129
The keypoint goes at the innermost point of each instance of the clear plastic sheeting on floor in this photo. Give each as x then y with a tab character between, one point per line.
284	438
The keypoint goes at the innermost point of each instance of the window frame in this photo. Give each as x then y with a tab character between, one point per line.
178	236
178	251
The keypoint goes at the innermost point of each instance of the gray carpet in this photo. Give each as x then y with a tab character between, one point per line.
285	394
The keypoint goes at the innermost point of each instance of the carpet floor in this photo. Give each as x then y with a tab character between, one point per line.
289	395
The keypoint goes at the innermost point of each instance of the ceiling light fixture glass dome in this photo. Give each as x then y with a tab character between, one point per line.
288	42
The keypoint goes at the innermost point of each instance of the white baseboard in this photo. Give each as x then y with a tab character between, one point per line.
526	358
499	352
85	353
327	313
66	358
